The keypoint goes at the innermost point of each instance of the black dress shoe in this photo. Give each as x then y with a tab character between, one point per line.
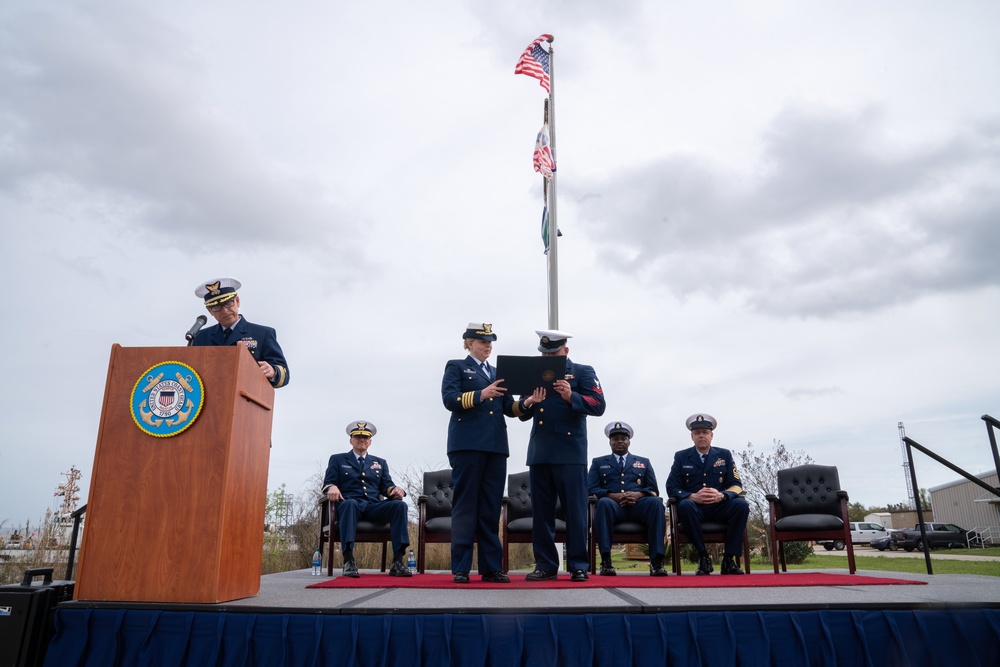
656	568
350	569
705	565
729	566
398	569
579	575
607	569
540	575
496	578
461	577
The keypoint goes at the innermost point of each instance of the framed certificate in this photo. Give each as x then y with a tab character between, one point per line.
522	375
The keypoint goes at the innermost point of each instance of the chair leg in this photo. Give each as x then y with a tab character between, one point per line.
383	556
850	558
774	554
506	556
746	553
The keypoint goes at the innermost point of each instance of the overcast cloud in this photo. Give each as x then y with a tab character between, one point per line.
782	213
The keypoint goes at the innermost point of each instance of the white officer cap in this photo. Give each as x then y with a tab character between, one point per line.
618	427
701	421
218	290
479	330
552	341
362	427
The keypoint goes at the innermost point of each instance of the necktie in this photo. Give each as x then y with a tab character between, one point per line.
225	333
486	370
703	459
621	463
361	462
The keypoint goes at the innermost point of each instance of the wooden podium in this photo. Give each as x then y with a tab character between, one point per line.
179	518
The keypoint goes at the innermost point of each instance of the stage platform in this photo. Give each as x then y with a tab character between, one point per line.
952	619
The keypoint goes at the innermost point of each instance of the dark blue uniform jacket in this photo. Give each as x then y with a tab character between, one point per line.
475	424
355	483
559	429
260	340
605	477
688	474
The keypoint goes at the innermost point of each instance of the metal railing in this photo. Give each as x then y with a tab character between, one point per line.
983	537
991	423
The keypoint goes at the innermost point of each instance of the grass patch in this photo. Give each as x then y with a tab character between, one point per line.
913	565
988	551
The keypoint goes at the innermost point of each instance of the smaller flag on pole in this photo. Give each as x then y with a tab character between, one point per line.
545	228
544	163
535	62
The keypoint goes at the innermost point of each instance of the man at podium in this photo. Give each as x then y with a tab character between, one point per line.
223	303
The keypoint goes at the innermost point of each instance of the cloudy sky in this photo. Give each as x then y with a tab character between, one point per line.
782	213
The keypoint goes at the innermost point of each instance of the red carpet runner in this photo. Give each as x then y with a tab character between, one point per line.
444	581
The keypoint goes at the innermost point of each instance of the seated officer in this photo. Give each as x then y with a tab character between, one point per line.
625	486
705	480
354	481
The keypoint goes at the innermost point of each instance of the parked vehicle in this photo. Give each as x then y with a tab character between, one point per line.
862	532
883	543
939	536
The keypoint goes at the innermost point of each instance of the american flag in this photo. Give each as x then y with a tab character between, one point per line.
544	163
535	62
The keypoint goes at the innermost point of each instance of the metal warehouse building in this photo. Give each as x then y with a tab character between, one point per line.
971	507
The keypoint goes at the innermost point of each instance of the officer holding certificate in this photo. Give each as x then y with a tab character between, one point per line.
557	459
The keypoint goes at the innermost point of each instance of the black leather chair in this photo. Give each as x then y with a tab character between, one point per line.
516	515
809	505
434	509
624	532
711	532
366	531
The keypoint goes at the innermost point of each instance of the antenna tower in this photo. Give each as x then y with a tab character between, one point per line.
906	467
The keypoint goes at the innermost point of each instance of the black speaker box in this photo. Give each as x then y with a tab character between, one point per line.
26	617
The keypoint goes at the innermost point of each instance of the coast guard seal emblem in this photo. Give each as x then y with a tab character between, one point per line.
166	399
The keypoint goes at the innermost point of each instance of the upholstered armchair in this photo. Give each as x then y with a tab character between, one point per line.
809	505
711	532
366	531
434	508
516	515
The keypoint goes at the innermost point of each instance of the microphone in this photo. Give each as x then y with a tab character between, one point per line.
196	327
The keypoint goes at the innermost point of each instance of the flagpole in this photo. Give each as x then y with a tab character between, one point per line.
553	255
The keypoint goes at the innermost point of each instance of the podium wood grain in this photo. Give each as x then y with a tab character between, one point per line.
179	519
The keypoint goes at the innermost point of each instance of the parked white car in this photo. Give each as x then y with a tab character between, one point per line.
862	532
